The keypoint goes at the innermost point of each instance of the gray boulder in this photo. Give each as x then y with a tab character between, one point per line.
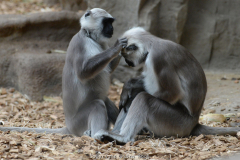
212	34
26	62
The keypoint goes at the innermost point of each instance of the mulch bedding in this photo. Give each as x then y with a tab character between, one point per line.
17	110
25	6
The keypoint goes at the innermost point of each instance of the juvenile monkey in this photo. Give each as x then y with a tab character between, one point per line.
172	91
86	77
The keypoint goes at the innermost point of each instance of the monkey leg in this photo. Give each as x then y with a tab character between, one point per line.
98	119
112	110
92	116
154	114
121	117
135	90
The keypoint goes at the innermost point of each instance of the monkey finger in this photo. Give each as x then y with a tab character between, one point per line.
123	99
122	107
129	94
122	103
124	45
123	39
125	109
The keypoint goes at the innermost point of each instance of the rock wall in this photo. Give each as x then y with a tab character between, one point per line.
210	29
212	33
27	62
164	18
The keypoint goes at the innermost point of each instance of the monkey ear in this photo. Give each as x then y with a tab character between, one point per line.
88	13
132	47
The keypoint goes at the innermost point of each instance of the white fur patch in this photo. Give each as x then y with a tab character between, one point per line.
150	80
93	48
133	31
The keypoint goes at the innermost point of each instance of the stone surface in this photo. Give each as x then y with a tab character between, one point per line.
208	28
212	33
26	62
70	5
74	5
162	18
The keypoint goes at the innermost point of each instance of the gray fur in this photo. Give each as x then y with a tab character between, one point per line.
86	79
174	92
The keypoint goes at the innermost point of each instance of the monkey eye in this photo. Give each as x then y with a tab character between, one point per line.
132	47
87	13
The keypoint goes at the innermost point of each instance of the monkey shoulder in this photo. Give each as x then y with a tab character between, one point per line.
76	46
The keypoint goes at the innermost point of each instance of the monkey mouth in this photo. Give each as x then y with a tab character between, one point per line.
109	36
130	63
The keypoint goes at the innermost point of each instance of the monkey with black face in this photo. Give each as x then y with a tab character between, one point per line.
86	77
173	89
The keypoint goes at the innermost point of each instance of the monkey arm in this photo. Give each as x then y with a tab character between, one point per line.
90	67
114	63
130	90
169	83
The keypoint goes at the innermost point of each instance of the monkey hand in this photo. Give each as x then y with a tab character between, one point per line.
121	43
106	136
125	95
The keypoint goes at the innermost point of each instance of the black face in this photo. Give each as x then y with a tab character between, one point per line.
107	27
130	63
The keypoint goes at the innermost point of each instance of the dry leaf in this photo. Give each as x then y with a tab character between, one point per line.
43	149
3	91
199	137
18	111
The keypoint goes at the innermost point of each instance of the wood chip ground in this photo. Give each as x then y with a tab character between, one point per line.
18	111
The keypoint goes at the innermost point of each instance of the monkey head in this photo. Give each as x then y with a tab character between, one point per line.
136	52
97	23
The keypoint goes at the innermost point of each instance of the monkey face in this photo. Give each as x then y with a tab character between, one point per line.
98	21
133	55
107	27
136	52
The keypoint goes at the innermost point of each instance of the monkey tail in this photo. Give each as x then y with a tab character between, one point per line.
202	129
36	130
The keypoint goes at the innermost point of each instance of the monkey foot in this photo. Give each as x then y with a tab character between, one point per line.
87	133
100	135
106	136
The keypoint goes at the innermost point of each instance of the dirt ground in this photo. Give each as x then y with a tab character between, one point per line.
223	92
16	110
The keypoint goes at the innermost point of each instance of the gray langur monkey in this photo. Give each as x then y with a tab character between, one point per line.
86	77
171	91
